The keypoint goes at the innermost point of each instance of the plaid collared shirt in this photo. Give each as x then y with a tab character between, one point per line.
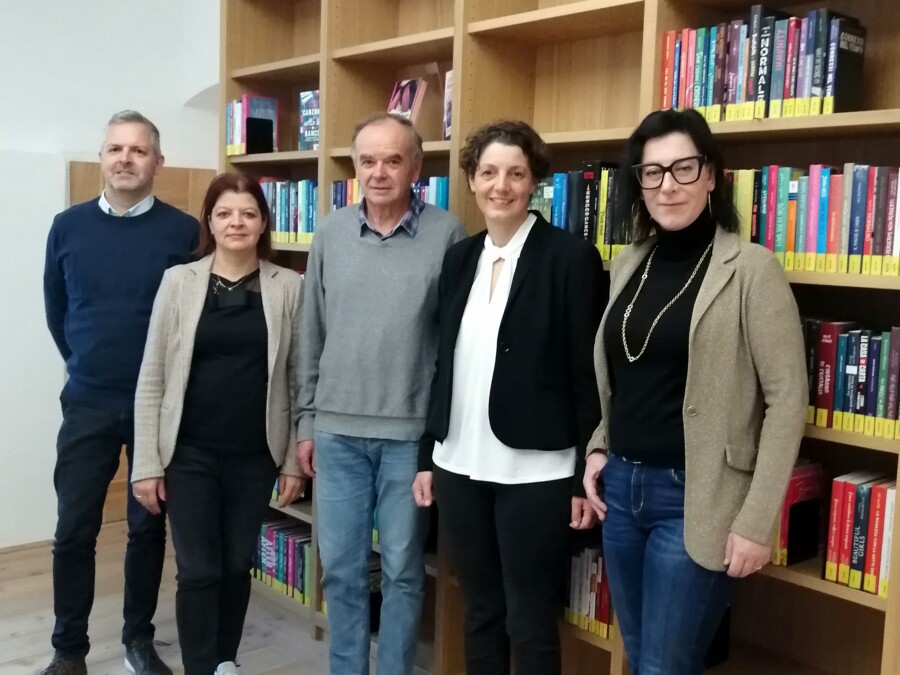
409	221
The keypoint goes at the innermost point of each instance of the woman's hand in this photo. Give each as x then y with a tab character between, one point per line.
744	557
594	465
583	516
149	493
421	488
290	488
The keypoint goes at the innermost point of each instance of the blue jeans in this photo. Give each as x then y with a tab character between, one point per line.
353	476
88	448
668	607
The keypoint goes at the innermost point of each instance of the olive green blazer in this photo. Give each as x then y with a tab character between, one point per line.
745	399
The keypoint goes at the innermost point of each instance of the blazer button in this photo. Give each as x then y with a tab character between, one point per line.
691	411
504	347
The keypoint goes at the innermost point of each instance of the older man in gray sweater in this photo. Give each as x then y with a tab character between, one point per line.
368	342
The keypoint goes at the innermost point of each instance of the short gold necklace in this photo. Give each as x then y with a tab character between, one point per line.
632	359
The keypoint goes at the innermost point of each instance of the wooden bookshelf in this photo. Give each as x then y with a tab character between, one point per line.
261	589
587	637
301	510
584	73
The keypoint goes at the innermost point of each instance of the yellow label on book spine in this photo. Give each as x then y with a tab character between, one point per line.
876	265
855	264
837	419
714	113
867	264
788	109
869	583
759	110
815	105
828	105
888	429
848	421
869	426
799	261
810	414
879	427
831	263
887	266
830	571
616	250
820	262
779	256
702	110
809	261
822	417
801	107
855	579
775	108
859	423
842	263
747	110
843	574
883	588
895	263
788	261
731	112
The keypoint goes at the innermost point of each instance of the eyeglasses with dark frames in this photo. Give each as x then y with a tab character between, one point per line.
685	171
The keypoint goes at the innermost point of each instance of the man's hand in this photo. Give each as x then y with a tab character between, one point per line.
149	493
594	465
306	458
421	488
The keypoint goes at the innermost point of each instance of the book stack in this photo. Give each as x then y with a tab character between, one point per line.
241	136
294	206
284	558
588	605
434	190
769	65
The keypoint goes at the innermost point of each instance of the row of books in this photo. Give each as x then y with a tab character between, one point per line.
797	525
251	124
854	376
582	201
823	219
294	206
771	65
588	604
860	529
412	97
285	558
434	190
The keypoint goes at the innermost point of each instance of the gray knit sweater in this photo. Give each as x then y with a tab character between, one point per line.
368	333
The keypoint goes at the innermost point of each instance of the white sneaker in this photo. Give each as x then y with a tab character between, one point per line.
227	668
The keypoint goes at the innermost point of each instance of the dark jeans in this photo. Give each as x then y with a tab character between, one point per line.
217	503
509	545
668	607
88	448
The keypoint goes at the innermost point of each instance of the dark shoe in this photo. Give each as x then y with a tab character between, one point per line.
65	664
141	659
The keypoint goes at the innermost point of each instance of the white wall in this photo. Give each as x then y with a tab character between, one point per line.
65	68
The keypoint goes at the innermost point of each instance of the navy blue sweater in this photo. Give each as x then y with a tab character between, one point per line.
100	278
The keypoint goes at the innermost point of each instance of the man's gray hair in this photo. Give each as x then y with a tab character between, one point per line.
415	140
134	117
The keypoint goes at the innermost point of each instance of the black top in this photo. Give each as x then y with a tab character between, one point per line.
225	401
646	422
543	389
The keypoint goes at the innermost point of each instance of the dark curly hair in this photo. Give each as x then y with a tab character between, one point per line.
662	123
507	132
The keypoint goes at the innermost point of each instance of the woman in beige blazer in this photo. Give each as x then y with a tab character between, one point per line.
702	381
213	415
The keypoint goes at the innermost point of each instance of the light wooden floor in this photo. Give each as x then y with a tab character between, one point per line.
275	642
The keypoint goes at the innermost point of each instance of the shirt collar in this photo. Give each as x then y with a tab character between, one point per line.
140	208
409	221
514	246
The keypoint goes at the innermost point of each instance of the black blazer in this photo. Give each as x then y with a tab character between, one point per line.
544	390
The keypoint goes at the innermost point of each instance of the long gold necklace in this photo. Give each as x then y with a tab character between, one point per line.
632	359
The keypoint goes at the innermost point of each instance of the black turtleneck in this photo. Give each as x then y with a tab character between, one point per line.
645	422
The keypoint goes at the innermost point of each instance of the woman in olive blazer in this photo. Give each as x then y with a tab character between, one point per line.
702	379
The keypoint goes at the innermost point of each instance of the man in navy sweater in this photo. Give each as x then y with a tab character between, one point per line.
105	260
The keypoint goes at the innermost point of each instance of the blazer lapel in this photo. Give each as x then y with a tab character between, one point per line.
461	286
273	307
193	296
531	250
726	247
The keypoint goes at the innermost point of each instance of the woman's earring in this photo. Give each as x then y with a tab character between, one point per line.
709	202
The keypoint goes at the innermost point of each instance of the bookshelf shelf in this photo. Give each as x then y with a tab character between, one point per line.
295	70
745	659
430	148
571	139
261	589
820	127
853	439
300	511
433	45
567	628
569	22
288	157
808	574
295	248
845	280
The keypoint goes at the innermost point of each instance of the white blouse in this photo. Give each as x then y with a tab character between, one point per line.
471	448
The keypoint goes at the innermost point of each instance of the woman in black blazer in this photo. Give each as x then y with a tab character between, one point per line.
513	402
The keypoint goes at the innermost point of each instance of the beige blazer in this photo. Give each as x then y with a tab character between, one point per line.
745	398
167	363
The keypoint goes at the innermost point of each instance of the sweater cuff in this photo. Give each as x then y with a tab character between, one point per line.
306	427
